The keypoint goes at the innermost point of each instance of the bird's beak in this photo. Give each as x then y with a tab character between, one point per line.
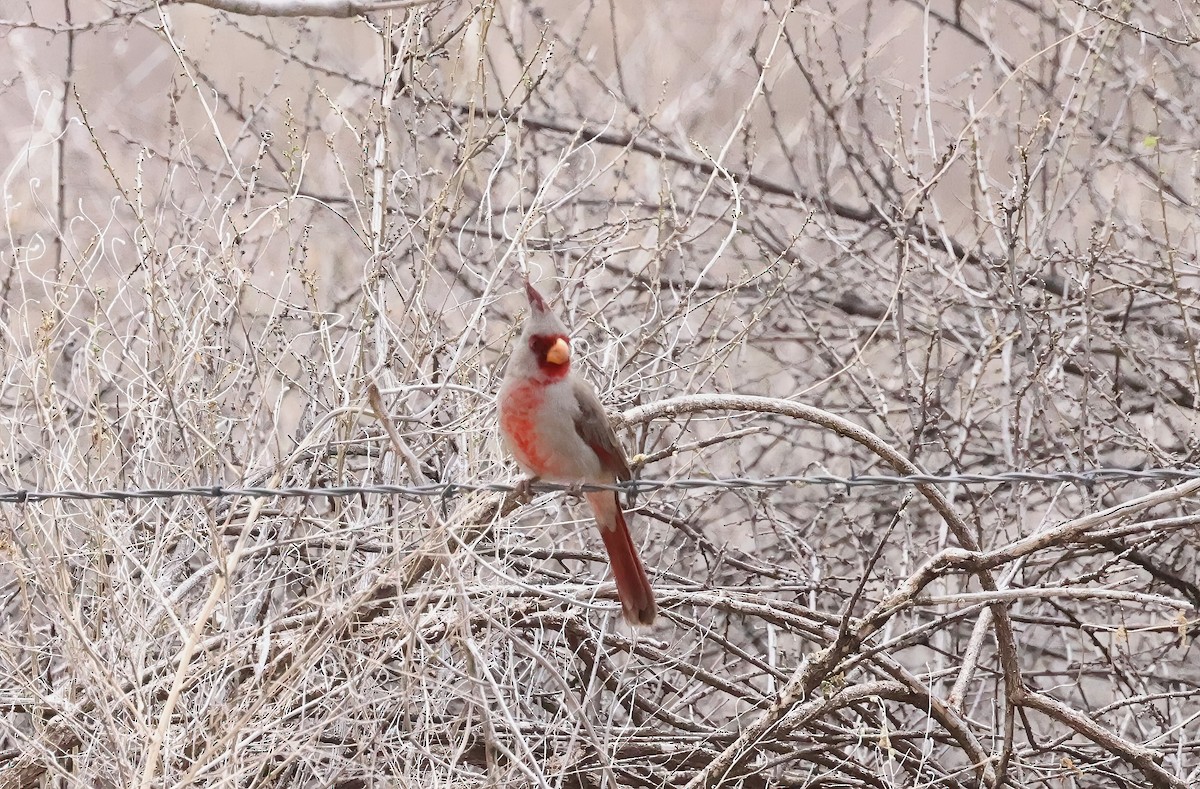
559	352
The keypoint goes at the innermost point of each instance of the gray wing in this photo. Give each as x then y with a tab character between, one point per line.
593	427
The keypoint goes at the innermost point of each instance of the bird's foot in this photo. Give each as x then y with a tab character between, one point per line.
523	490
575	489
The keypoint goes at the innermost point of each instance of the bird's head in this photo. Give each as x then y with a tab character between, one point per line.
545	336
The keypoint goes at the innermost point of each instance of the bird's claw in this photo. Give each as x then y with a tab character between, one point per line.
523	490
575	490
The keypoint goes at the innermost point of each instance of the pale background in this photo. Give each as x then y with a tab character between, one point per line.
967	227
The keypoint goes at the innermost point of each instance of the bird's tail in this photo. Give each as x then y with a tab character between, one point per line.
633	586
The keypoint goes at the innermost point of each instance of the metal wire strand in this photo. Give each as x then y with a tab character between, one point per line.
449	489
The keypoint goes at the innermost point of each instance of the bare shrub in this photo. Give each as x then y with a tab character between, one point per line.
821	239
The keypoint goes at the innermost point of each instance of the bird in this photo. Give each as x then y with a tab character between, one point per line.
552	423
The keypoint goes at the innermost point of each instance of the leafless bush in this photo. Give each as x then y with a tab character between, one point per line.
820	238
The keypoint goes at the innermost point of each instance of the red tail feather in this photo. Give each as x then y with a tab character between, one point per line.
633	586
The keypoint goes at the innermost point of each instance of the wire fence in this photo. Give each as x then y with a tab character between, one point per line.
450	489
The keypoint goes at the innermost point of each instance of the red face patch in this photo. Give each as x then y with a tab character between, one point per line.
541	345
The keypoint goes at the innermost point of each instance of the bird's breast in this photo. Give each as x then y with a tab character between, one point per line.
519	407
538	424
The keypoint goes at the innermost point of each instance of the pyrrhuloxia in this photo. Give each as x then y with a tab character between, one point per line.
553	424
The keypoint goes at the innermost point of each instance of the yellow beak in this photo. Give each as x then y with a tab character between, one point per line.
559	352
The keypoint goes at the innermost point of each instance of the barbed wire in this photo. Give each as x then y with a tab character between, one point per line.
448	489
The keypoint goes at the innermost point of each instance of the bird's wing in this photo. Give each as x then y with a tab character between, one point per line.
593	427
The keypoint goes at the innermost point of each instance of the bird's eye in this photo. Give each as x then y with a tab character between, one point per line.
550	349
